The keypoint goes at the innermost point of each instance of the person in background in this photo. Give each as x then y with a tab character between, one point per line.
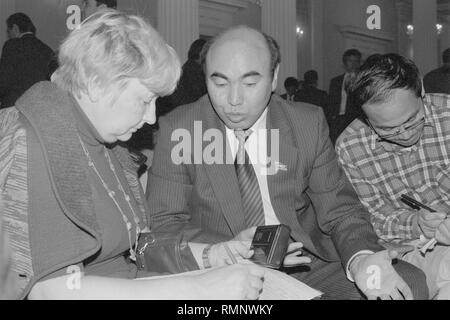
222	197
90	7
342	109
291	87
438	81
72	187
192	85
402	147
190	88
310	94
25	59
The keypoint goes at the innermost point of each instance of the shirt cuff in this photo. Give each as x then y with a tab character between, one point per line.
349	263
197	251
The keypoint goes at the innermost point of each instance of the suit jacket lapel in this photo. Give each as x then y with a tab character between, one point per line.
223	176
282	184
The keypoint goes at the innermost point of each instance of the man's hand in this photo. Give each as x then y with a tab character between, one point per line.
240	247
428	222
376	277
442	234
294	256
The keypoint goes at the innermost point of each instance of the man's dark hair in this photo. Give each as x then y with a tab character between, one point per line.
108	3
22	21
446	56
290	82
310	77
351	53
274	48
381	74
196	49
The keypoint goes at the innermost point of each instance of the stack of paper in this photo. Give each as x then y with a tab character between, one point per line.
277	285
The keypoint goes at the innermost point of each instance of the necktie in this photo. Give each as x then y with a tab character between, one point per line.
248	183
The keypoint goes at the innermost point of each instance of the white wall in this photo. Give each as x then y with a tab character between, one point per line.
7	7
250	16
145	8
352	13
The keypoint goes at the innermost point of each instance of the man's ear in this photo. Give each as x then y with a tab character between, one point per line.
275	78
14	31
423	89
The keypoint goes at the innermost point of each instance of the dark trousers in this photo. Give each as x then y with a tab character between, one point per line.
331	279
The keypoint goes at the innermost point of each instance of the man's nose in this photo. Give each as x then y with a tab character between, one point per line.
235	97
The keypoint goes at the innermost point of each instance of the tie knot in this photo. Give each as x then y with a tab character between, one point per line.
242	135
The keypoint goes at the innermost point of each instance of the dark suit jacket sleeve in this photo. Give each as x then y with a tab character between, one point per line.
334	97
6	67
169	190
339	211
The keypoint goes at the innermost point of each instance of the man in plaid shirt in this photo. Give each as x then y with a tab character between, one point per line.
402	146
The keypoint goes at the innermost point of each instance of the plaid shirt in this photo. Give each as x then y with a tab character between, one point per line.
381	172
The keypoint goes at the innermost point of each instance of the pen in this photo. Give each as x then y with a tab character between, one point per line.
410	204
413	203
230	254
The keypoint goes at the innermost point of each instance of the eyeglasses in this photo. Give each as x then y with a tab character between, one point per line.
387	134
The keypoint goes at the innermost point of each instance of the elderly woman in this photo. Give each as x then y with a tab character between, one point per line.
72	203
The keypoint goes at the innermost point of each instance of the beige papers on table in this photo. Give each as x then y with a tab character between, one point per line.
277	286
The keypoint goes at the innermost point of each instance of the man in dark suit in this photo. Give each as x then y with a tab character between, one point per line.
438	81
192	84
342	109
25	59
291	87
210	176
310	94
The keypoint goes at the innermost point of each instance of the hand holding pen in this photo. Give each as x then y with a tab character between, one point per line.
429	221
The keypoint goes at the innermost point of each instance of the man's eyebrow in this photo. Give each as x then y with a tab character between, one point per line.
246	75
218	75
251	74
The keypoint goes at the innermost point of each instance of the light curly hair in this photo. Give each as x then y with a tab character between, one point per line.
111	47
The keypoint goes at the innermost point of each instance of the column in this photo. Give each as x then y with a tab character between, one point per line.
178	23
7	8
425	36
317	32
445	37
279	21
404	17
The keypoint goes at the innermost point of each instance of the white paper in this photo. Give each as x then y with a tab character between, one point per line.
277	285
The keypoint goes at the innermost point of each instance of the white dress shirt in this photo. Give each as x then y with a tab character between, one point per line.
256	147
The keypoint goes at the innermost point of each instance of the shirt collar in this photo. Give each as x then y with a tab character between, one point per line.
26	33
428	106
